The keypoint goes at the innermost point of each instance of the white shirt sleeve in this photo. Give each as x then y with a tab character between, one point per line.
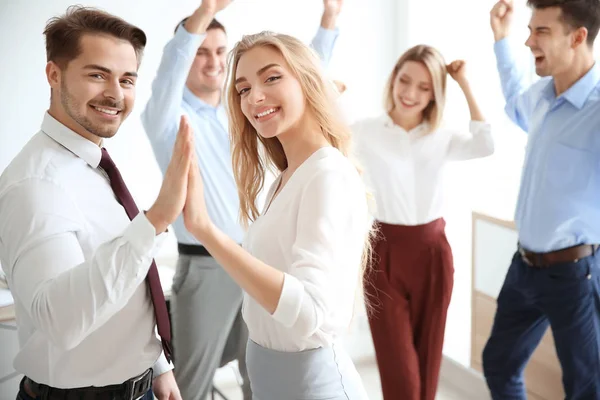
66	296
477	144
326	228
161	366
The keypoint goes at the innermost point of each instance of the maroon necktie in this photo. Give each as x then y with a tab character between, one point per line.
158	298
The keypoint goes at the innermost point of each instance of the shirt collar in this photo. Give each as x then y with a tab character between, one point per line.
196	103
579	92
75	143
387	120
389	123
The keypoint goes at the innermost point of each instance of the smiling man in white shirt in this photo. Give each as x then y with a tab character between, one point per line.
77	253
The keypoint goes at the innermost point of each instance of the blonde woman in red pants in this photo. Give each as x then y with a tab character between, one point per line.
404	153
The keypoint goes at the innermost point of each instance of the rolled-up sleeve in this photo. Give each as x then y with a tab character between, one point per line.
477	143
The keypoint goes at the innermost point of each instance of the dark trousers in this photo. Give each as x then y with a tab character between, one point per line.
562	296
409	290
22	395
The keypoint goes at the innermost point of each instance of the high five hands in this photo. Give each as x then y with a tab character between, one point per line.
182	189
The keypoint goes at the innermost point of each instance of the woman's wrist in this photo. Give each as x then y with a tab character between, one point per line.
205	232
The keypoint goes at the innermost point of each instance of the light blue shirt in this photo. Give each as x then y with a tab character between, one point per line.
171	98
558	204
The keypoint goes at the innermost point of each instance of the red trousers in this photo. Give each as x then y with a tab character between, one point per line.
409	290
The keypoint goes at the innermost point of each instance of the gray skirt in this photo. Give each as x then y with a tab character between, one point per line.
319	374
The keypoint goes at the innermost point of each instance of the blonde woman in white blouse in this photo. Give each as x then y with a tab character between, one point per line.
302	258
404	153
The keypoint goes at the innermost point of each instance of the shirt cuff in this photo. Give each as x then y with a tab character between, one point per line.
161	366
478	127
325	38
328	34
142	236
290	301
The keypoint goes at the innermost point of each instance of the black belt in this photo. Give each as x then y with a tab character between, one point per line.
132	389
192	250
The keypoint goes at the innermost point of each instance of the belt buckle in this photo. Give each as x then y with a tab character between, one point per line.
132	385
524	257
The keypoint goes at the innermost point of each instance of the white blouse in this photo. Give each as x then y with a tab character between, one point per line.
404	170
314	231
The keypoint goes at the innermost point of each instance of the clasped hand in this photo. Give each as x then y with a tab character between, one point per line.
182	189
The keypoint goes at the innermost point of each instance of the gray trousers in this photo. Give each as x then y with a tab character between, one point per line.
208	329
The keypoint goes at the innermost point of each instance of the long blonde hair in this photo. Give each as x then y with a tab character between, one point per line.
436	65
249	167
251	158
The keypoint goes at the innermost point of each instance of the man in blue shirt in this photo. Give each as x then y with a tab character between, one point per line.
208	329
554	278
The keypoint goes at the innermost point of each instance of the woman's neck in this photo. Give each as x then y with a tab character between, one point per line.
300	144
406	122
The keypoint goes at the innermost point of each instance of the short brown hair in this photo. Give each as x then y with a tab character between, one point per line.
63	33
575	13
214	24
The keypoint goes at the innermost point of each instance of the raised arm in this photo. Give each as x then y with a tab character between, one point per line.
324	41
457	70
161	116
519	102
479	142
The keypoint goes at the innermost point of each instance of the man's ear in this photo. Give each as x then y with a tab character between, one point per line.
579	36
53	74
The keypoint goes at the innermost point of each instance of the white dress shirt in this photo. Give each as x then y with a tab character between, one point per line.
314	231
76	266
404	170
